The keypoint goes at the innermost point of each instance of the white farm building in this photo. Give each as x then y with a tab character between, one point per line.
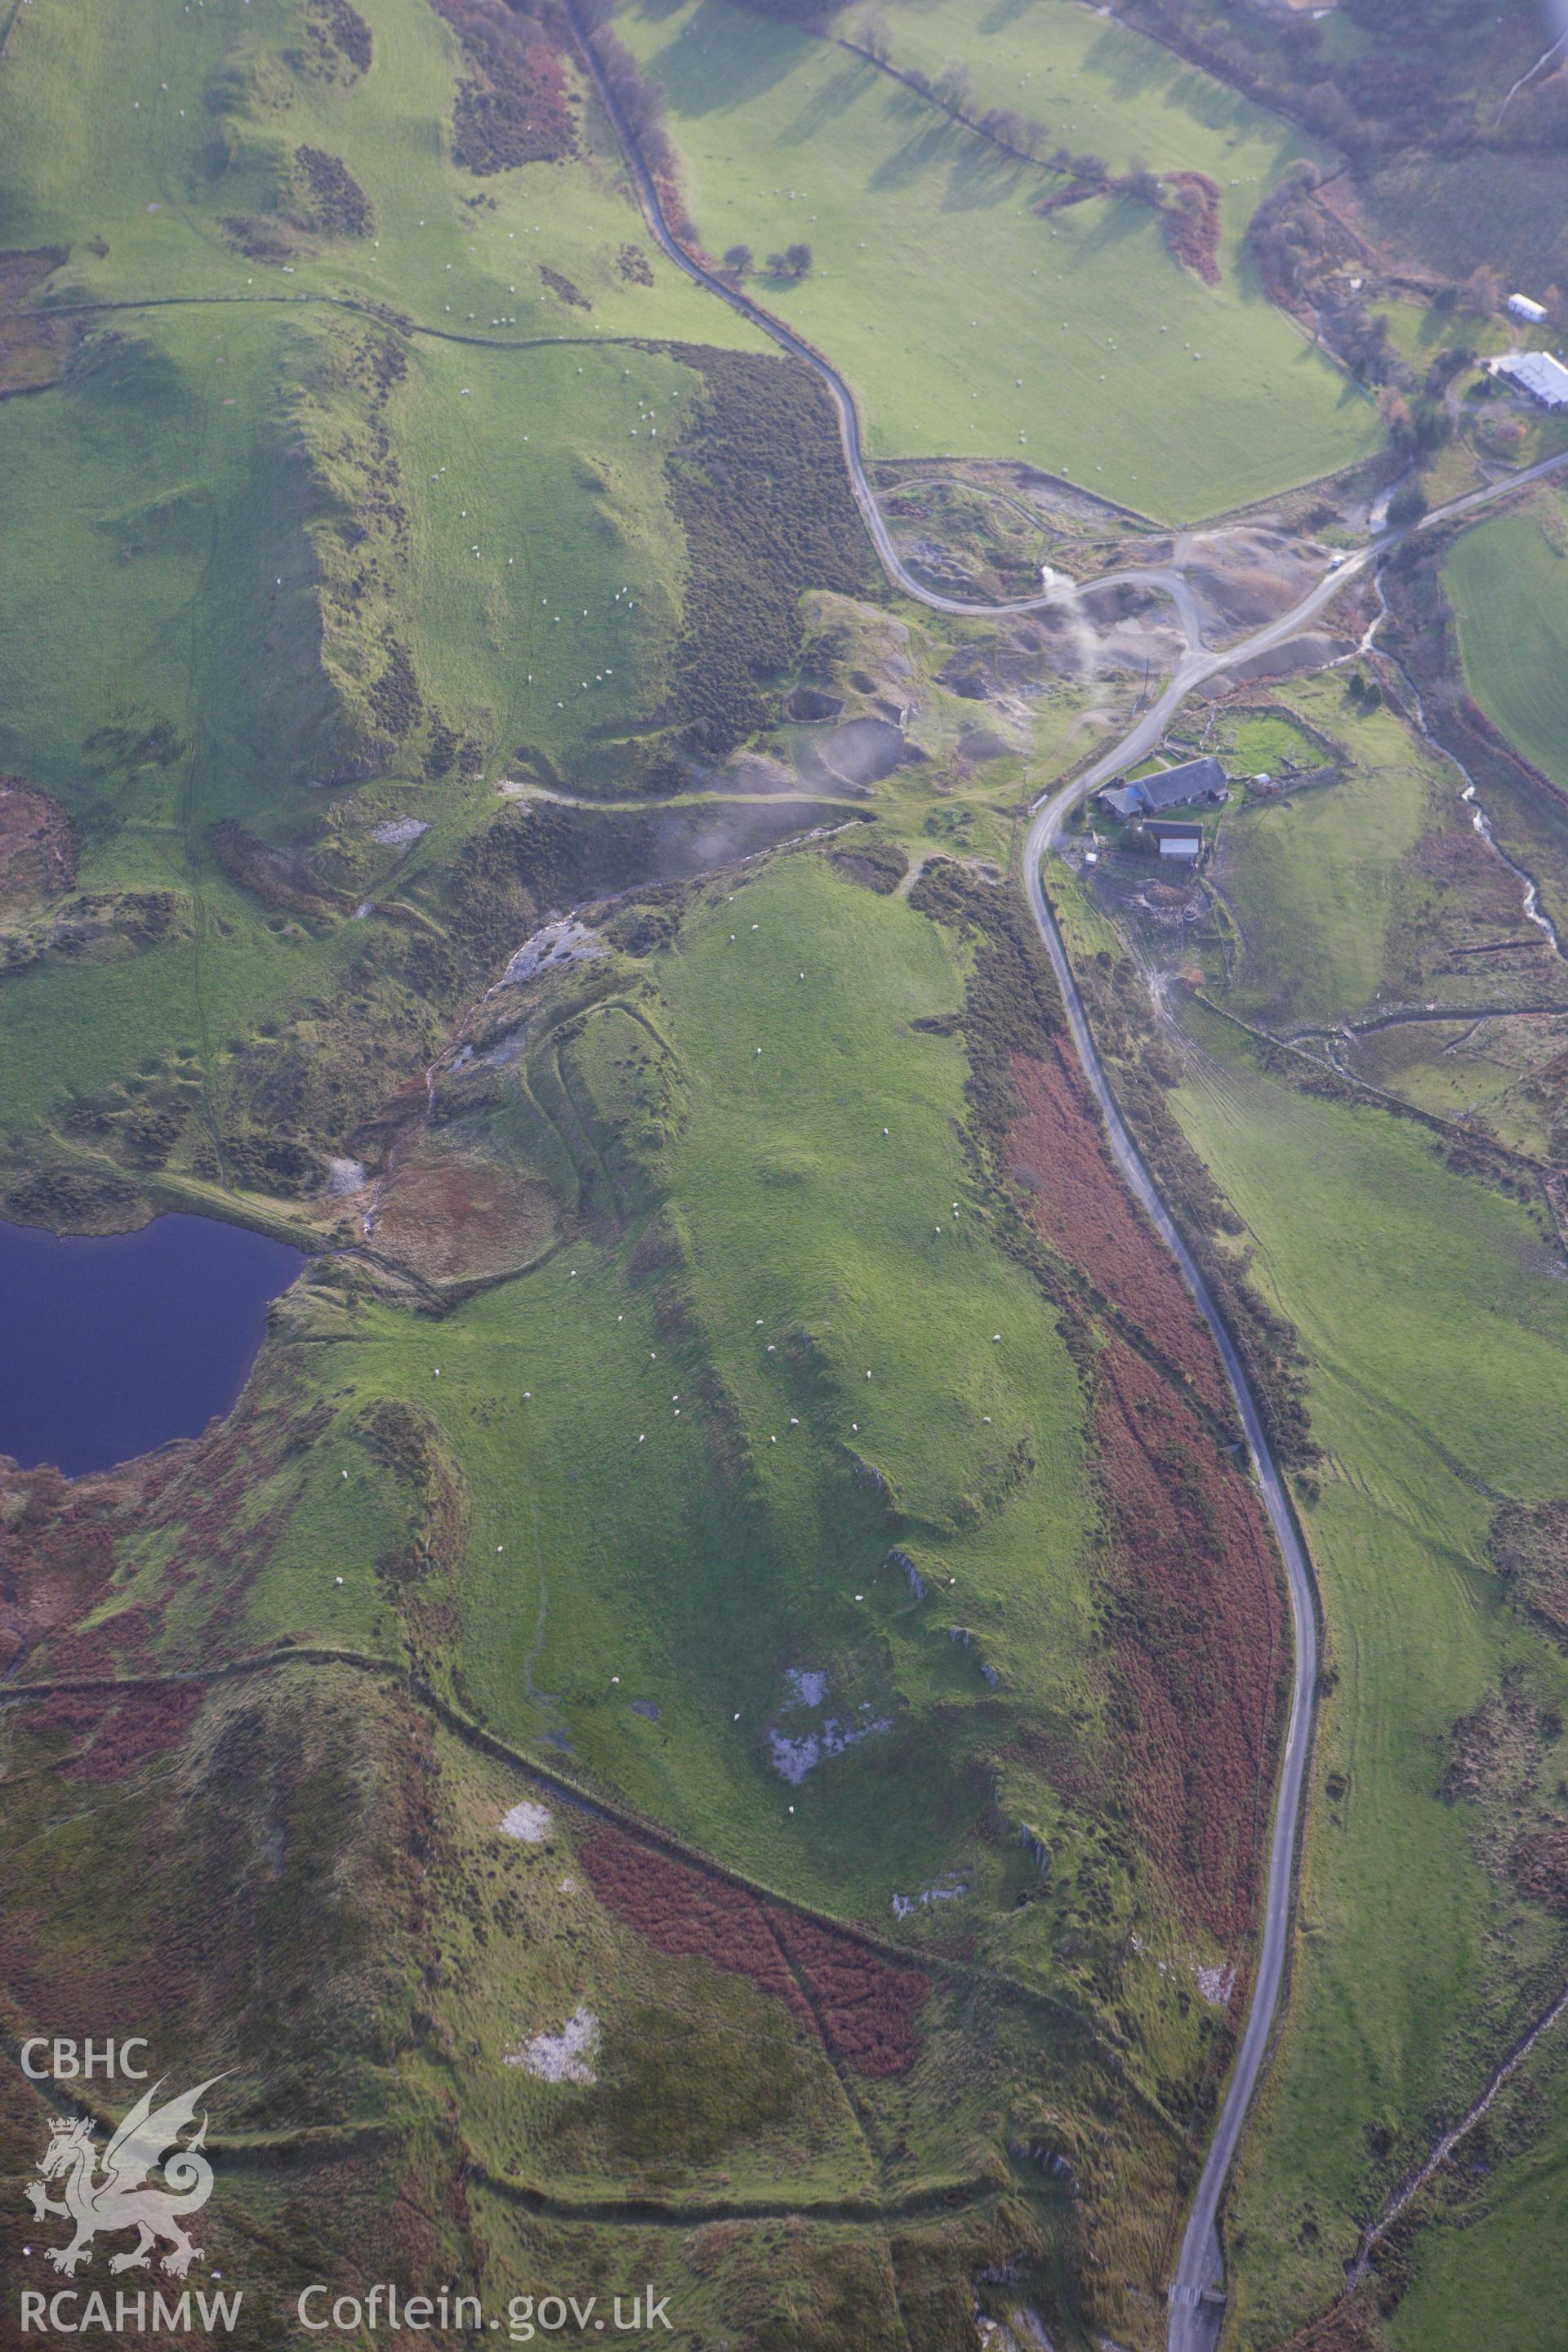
1521	307
1536	373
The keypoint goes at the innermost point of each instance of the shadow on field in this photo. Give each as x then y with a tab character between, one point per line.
1006	12
1113	224
1138	72
940	142
982	175
852	79
723	59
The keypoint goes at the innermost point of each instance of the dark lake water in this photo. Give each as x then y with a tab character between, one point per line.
113	1345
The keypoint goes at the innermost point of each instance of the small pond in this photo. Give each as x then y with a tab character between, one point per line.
113	1344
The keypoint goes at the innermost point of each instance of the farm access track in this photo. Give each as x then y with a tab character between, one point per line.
1197	2290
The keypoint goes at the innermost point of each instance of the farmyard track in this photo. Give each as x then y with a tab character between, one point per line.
1196	2290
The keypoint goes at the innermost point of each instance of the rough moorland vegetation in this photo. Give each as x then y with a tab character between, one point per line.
515	104
758	488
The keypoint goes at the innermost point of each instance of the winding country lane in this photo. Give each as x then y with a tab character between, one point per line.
1197	2289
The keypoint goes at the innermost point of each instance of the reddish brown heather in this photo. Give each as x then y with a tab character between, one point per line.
37	848
1081	1205
684	1911
139	1726
868	2008
513	106
1538	1865
1345	2328
864	2006
76	1712
58	1557
1193	222
1197	1647
112	1736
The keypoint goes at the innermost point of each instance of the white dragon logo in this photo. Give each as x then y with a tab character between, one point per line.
118	2199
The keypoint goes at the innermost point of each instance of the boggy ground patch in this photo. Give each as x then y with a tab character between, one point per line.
461	1216
865	2008
32	345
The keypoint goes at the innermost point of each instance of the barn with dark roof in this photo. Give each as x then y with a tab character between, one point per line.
1195	779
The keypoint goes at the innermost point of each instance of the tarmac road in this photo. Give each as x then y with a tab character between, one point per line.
1197	2290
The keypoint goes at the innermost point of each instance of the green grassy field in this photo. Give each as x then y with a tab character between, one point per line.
146	129
1420	331
1506	582
1267	741
688	1552
178	506
1096	85
533	456
1500	2273
1440	1375
1091	352
669	1468
773	1325
1317	886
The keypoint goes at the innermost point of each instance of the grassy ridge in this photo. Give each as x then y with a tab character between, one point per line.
612	1507
162	622
1090	351
260	542
625	1509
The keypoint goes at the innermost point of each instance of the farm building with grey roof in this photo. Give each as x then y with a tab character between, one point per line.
1536	373
1195	779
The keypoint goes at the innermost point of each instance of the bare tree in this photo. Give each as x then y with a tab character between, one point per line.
876	36
1483	292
